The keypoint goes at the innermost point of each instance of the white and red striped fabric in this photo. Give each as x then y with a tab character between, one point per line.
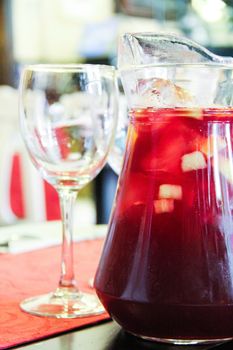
23	193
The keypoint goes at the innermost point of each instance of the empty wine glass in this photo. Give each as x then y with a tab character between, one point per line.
68	116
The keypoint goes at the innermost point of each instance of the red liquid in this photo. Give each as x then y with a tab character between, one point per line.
167	266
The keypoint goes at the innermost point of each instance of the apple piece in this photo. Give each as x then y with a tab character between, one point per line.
193	161
196	113
208	145
163	206
170	191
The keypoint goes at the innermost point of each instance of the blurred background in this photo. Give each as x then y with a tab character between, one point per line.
72	31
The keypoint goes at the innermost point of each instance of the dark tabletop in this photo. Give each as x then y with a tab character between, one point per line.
109	336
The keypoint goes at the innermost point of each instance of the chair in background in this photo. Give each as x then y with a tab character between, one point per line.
23	193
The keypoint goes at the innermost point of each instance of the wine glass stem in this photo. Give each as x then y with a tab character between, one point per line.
67	199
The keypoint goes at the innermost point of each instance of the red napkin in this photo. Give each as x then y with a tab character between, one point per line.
34	273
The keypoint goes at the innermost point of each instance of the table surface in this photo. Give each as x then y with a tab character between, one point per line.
104	336
109	336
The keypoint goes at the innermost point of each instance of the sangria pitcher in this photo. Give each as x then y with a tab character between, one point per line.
166	271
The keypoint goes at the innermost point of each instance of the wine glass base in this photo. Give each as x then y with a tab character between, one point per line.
67	305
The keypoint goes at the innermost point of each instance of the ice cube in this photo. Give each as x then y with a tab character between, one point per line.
163	206
224	94
226	168
170	191
163	93
212	144
193	161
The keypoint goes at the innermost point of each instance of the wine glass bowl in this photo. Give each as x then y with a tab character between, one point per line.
68	117
66	122
115	157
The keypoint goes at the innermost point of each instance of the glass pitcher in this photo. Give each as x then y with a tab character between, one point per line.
166	271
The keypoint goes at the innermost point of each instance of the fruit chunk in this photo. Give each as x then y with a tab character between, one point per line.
193	161
170	191
132	134
163	206
196	113
211	143
226	168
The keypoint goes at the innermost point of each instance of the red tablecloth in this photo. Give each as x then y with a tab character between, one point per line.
34	273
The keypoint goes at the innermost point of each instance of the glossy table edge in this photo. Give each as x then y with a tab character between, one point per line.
109	336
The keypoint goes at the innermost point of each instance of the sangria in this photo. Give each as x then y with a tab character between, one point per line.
167	267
